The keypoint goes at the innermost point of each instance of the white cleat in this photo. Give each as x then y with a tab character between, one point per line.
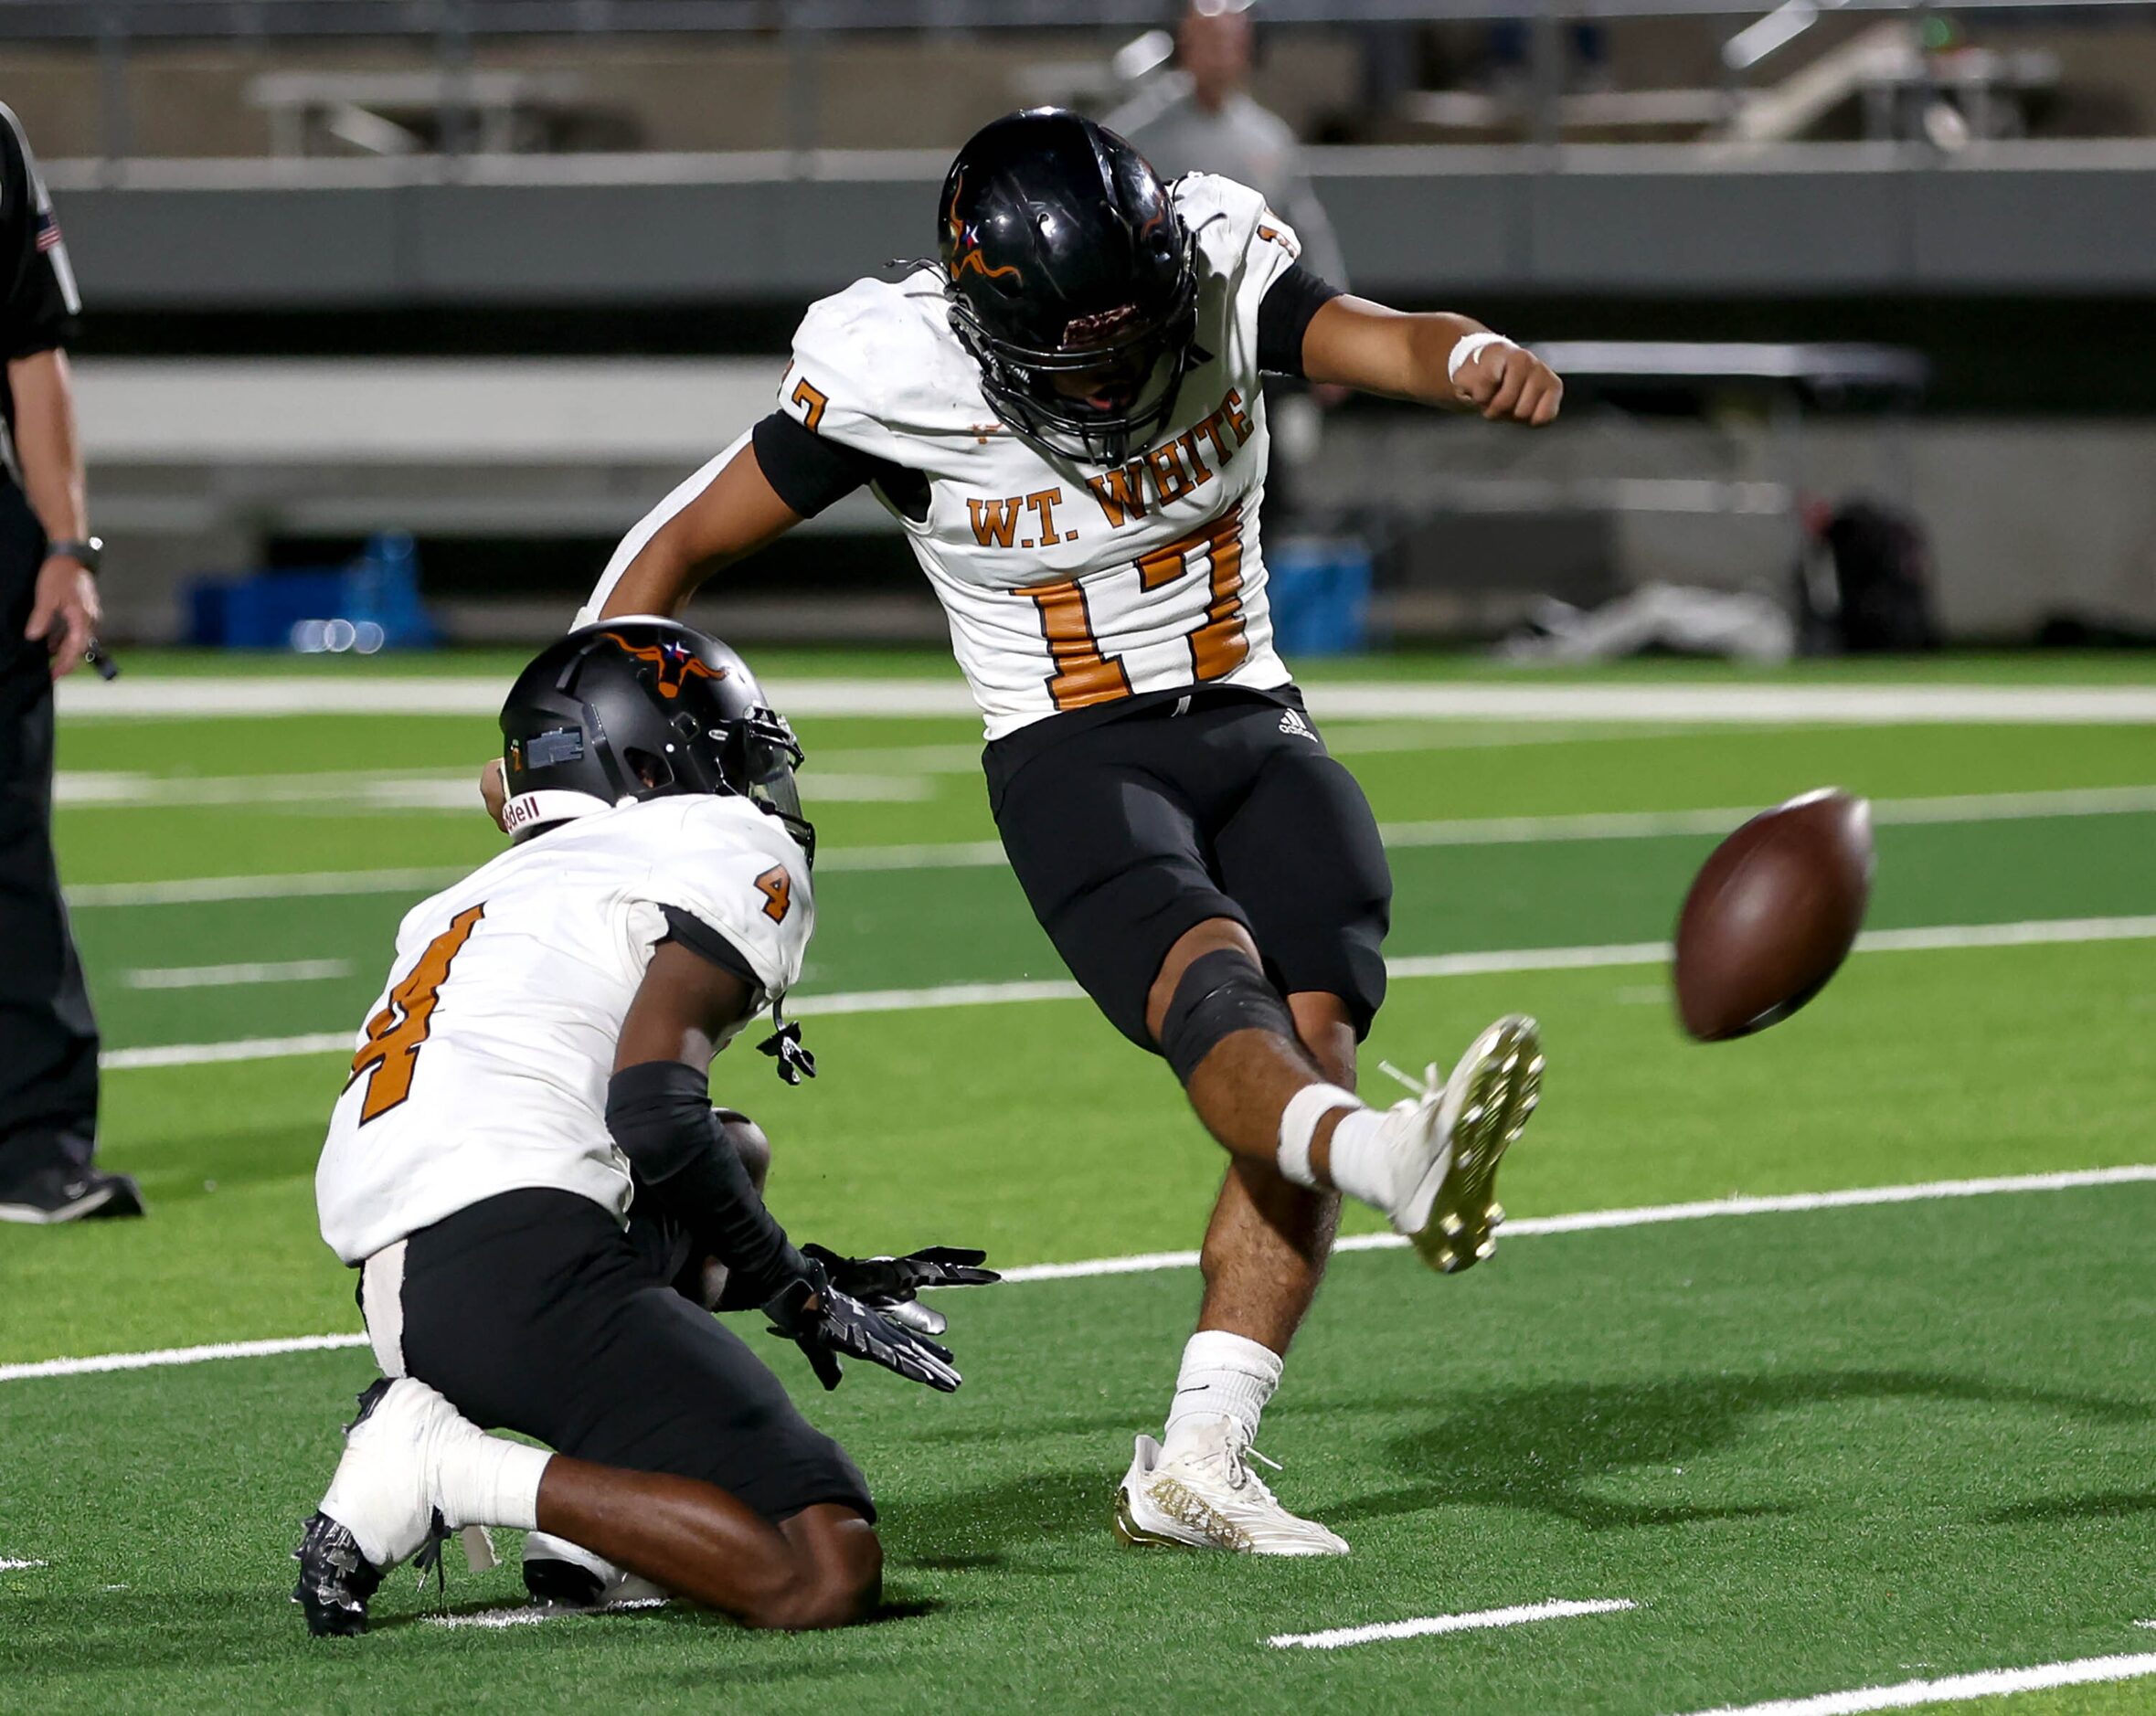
1208	1498
1453	1138
565	1575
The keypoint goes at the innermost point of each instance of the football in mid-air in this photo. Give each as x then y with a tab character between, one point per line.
1772	914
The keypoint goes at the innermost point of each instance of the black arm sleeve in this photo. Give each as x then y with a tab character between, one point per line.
706	943
807	472
660	1114
1283	317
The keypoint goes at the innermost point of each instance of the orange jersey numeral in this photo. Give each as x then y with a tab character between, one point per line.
812	400
396	1034
1086	675
777	888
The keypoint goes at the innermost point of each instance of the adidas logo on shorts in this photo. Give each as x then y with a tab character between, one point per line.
1295	725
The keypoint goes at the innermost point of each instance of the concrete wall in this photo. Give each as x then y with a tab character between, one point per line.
1819	219
194	465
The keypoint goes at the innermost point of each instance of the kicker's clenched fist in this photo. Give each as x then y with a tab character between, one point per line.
1508	383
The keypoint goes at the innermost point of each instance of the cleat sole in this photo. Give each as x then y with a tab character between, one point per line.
1504	1088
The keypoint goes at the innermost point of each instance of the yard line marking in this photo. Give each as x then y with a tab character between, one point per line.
1585	1221
346	794
1657	1214
196	890
8	1564
244	1049
1929	938
1529	699
1481	1620
162	1358
1521	831
224	976
1954	1688
1995	807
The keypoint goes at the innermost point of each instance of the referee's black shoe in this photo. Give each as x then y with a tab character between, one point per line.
65	1193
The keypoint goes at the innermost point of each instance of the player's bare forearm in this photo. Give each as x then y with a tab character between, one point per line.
738	514
46	443
1434	358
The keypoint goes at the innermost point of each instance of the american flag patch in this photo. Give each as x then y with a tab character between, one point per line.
49	230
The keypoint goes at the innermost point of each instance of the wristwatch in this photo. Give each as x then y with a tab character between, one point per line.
87	551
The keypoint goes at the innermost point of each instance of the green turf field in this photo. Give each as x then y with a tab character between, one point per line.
1816	1450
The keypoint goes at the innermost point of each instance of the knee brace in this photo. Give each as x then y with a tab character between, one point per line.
1218	994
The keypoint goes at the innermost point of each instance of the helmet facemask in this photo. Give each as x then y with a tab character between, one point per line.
1107	386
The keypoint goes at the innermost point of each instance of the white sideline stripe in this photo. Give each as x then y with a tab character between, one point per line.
8	1564
1529	699
1585	1221
224	976
1994	807
1953	1690
1481	1620
1934	938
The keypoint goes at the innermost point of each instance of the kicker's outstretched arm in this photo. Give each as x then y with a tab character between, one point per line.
1434	358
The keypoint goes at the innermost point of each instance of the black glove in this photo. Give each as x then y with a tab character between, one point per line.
889	1283
839	1323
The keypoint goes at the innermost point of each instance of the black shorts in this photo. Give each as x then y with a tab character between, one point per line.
1127	831
534	1311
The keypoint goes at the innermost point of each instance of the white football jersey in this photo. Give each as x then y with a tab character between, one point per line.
482	1068
1066	585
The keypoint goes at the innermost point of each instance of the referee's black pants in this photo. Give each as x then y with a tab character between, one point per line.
48	1042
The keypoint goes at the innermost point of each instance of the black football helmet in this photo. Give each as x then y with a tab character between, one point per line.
643	708
1070	281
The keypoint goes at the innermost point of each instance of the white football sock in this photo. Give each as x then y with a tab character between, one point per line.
1223	1376
1363	1163
1298	1125
1362	1167
489	1480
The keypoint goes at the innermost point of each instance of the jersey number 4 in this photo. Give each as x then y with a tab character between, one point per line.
1085	674
396	1034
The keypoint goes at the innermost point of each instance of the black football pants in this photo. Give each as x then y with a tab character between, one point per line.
48	1042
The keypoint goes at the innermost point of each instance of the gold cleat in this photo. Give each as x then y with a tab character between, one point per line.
1483	1110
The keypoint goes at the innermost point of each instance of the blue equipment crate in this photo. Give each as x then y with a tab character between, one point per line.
372	604
1319	589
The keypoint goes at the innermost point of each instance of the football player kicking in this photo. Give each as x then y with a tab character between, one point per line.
542	1047
1065	412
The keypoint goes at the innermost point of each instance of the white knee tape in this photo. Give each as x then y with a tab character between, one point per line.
1299	1121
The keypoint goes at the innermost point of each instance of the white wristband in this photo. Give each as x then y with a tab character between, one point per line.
1466	345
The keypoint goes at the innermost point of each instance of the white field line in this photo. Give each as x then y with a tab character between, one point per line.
228	976
1996	807
8	1564
1526	699
243	1049
532	1616
1654	1215
1928	939
1333	1638
451	789
1580	1221
303	884
1953	1690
